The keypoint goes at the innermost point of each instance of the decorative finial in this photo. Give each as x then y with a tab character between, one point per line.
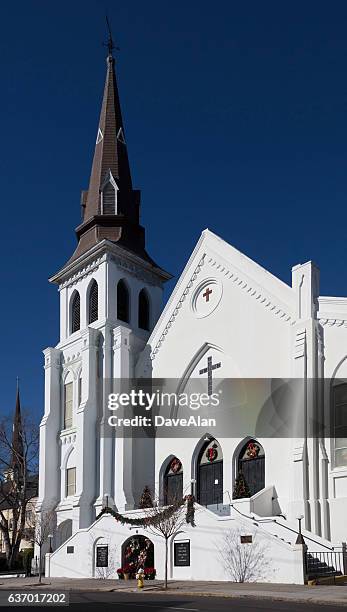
110	42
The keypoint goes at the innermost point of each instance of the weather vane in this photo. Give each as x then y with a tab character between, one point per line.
110	43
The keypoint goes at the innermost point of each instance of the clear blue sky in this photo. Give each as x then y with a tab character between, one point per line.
236	120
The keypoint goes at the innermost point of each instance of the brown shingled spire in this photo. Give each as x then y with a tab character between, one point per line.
111	205
110	149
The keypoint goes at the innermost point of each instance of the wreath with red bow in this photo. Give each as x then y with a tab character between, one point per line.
252	450
175	465
212	453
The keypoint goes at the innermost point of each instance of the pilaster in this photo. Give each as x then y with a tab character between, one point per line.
86	425
50	426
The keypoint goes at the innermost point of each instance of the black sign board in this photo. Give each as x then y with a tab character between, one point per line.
70	550
246	539
182	553
102	556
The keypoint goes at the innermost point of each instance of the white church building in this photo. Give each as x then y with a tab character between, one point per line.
227	319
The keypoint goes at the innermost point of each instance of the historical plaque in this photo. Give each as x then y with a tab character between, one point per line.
246	539
70	550
102	556
182	553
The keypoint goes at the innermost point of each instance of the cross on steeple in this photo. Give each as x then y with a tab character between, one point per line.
207	294
210	367
110	42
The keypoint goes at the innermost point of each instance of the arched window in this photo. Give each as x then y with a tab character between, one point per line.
173	482
68	405
340	424
250	470
137	551
93	302
75	312
64	531
109	199
69	465
143	310
70	482
210	473
122	302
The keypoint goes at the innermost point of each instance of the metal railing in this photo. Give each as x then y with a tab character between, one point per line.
324	563
259	521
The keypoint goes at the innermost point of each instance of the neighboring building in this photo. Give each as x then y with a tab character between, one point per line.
227	313
27	540
6	488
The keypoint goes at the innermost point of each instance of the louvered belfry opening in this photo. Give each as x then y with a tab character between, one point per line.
122	302
109	200
76	313
143	310
93	302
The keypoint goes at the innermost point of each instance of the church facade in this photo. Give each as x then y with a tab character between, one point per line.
228	319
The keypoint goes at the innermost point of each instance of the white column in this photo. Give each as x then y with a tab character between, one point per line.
50	426
106	441
305	282
83	513
122	370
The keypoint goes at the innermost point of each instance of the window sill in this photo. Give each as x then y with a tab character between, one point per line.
68	431
341	469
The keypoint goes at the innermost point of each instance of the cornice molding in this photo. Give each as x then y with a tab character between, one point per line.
333	322
236	277
256	293
176	309
87	270
72	272
135	270
300	344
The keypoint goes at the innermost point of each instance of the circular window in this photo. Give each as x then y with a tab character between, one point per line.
206	297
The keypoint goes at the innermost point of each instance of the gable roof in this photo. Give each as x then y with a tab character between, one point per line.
263	286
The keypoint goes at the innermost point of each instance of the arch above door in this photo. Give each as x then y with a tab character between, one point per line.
251	463
209	473
173	482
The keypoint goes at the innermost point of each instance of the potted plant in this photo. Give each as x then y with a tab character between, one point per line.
120	573
150	573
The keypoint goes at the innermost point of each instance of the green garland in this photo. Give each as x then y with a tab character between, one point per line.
156	518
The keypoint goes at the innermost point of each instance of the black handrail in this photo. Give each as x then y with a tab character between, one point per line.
324	563
252	518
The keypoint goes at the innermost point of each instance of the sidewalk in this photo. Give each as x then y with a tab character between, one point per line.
320	594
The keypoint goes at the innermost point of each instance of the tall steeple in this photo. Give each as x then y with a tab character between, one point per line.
17	434
111	155
110	207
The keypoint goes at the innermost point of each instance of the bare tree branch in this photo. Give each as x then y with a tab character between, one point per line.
18	481
244	562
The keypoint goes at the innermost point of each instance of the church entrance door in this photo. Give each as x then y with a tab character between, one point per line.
210	474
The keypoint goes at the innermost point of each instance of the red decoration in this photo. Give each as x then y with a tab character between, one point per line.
212	453
252	450
175	465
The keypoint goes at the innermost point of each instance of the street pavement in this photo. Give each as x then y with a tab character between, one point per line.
118	601
187	595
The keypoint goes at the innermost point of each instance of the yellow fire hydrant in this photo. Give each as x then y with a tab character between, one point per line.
140	578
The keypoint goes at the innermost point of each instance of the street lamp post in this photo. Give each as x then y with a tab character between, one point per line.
300	538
